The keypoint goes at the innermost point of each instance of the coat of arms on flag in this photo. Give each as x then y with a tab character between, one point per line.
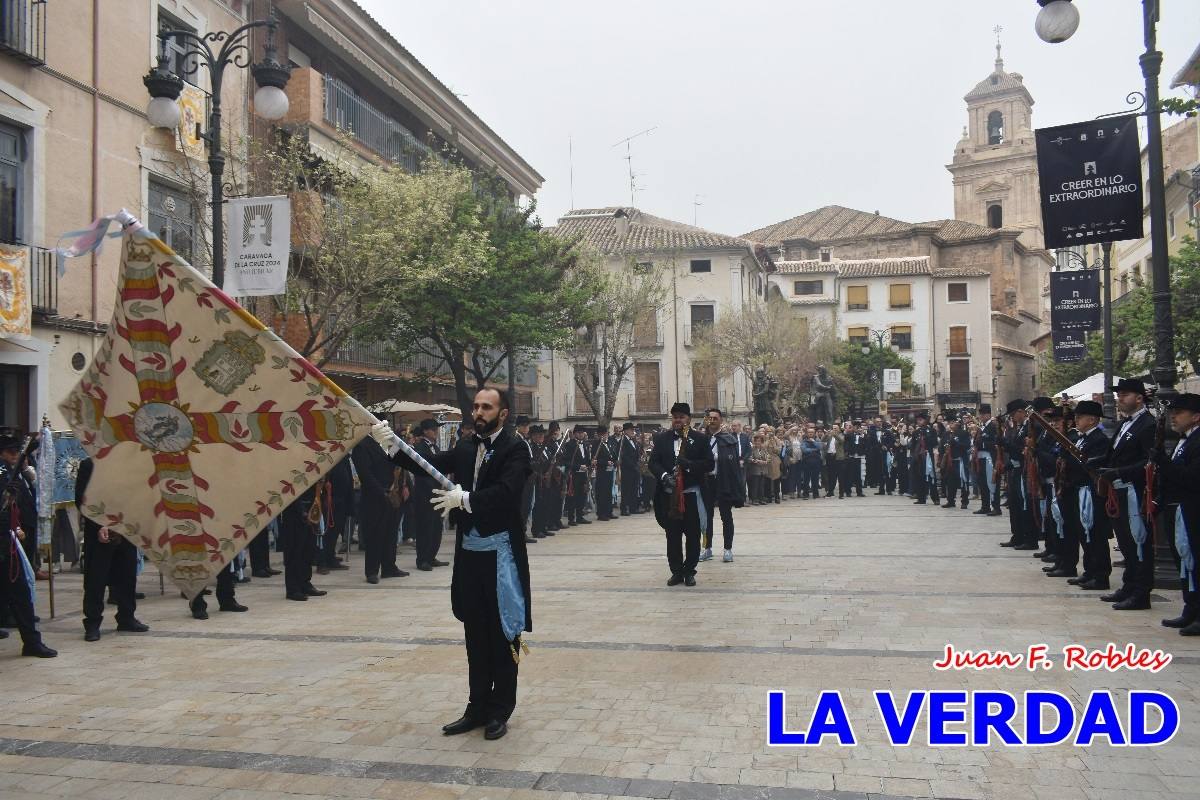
203	424
15	321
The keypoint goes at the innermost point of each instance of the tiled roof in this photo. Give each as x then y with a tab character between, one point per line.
598	229
996	83
877	268
837	223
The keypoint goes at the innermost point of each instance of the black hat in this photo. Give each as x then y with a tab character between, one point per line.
554	426
1054	412
580	429
536	429
1089	407
681	408
1015	405
628	426
985	408
1130	385
1042	403
521	420
428	425
9	441
1185	402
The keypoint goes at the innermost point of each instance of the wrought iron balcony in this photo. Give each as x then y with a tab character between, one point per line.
370	127
23	30
380	355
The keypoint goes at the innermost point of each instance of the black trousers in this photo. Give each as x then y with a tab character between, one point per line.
631	484
225	590
1067	551
299	550
380	525
1138	576
113	564
683	536
259	550
544	499
923	486
987	500
1191	599
578	499
903	474
604	489
427	527
327	557
1020	517
952	480
874	468
810	480
491	668
850	470
16	594
711	506
831	476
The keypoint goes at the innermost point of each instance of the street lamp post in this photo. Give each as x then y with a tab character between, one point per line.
270	100
879	337
1056	22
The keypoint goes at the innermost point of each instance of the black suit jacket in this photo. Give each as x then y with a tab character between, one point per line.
423	485
697	458
495	499
375	474
1128	454
1180	479
630	456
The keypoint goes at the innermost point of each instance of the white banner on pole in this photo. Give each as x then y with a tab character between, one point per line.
260	238
891	380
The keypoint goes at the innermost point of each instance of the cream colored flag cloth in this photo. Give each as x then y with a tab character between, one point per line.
202	423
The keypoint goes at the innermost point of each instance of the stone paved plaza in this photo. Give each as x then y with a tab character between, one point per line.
632	689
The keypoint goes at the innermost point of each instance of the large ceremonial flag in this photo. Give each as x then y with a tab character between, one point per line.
202	423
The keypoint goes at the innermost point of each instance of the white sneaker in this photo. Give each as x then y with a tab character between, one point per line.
728	556
706	554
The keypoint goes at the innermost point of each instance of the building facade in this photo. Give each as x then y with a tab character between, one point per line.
705	276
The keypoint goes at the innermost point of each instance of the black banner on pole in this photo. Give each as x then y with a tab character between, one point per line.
1068	346
1091	181
1075	300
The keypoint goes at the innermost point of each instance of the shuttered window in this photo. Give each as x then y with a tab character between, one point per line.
900	295
856	298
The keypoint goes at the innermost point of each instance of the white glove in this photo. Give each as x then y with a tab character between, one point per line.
382	433
447	500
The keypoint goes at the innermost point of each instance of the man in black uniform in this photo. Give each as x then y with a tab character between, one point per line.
553	484
23	489
987	443
489	590
1083	515
521	428
852	464
1179	477
110	560
604	457
1048	452
1126	470
959	442
577	461
539	474
1020	505
16	570
427	523
341	478
724	486
379	510
924	448
680	459
630	457
299	526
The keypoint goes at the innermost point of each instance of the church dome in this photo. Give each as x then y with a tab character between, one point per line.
999	82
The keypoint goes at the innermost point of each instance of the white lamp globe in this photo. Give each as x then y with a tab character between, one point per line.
270	102
163	112
1057	21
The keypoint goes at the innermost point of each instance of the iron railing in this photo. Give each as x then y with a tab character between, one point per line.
43	278
653	404
23	30
372	128
380	355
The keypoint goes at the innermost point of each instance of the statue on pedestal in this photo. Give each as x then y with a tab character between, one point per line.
766	390
824	396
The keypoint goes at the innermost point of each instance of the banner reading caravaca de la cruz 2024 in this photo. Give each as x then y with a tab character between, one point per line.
260	240
1091	181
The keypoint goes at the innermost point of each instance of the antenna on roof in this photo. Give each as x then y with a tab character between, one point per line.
629	158
695	205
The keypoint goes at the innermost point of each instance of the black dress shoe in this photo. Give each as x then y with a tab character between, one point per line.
200	613
530	540
996	513
1191	630
372	579
274	571
231	606
132	626
1009	543
549	532
495	729
982	511
674	580
1050	558
139	596
583	522
38	650
461	725
690	580
1120	595
1049	568
313	591
297	596
1041	554
436	563
915	502
1133	603
1181	621
1062	573
1081	579
394	573
425	567
1025	547
261	573
1095	584
91	634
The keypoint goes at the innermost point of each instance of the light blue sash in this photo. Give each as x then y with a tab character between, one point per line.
888	459
26	567
986	456
964	473
1087	512
701	509
1187	559
929	467
1055	509
509	593
1137	526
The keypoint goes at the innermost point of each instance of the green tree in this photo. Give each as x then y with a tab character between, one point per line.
859	374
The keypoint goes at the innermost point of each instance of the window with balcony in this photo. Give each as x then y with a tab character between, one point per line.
370	127
858	335
703	316
12	174
701	265
177	48
900	295
960	374
856	298
808	287
590	377
173	219
23	29
704	386
902	337
647	394
956	293
959	343
645	329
